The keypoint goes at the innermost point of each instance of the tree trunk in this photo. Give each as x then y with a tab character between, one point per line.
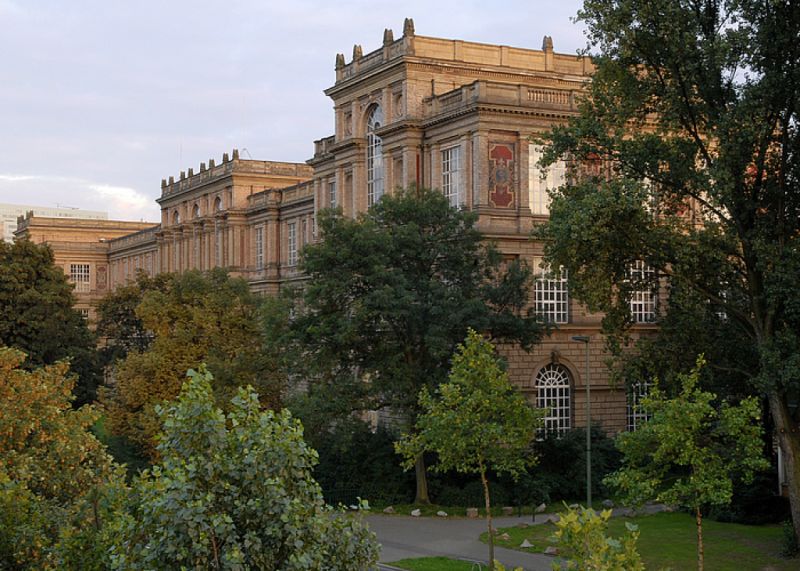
699	539
422	481
789	441
485	483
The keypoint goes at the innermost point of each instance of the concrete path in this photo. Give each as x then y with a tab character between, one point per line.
403	537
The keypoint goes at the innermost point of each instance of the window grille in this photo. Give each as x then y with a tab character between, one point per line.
553	393
551	295
374	157
643	301
260	248
291	259
218	245
451	176
80	276
637	415
332	194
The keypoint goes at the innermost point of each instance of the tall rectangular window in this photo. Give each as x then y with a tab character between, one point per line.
637	415
79	275
644	298
539	182
218	244
551	295
260	248
303	232
148	264
291	234
451	176
332	199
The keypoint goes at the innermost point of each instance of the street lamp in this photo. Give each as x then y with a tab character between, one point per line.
585	340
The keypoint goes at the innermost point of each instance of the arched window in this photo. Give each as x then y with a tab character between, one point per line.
217	204
553	393
374	156
196	211
176	218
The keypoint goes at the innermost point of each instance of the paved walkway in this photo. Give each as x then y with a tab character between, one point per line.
403	537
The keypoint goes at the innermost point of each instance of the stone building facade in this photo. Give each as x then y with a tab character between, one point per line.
457	116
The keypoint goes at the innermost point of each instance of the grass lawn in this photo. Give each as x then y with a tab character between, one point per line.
433	564
667	541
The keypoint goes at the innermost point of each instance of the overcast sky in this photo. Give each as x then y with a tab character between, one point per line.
101	99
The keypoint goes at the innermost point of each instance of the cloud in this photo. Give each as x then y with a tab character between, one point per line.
121	202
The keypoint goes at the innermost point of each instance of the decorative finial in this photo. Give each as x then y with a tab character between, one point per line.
224	157
191	171
408	27
357	52
163	182
339	61
183	175
171	180
235	154
202	167
211	163
388	37
547	44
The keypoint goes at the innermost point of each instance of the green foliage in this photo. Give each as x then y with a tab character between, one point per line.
389	297
690	450
583	542
235	491
36	315
55	477
692	113
192	318
477	420
790	547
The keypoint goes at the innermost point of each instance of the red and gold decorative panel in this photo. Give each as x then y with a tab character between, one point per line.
501	174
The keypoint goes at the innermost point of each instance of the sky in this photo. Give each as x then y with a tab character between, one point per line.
100	100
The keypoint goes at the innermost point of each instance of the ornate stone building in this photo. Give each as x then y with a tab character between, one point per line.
448	114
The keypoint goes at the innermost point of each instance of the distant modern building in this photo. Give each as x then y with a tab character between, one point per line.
453	115
10	212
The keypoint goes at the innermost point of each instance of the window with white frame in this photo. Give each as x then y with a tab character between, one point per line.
291	235
637	415
451	176
80	276
84	313
539	181
554	395
259	247
644	298
332	199
218	244
551	294
374	156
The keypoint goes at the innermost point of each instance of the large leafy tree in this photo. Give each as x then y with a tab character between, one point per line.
475	422
390	295
235	491
37	317
54	473
689	132
192	318
691	450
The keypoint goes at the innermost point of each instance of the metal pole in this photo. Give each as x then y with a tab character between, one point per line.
585	340
588	433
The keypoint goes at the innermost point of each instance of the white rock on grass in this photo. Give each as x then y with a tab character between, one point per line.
389	510
541	508
416	513
526	544
441	513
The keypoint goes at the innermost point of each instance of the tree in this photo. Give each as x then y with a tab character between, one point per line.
684	156
389	297
37	317
476	422
193	317
581	535
54	473
690	451
235	491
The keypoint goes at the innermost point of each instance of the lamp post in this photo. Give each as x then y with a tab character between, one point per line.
585	340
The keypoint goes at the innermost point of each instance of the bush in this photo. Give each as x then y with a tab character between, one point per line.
754	503
789	545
